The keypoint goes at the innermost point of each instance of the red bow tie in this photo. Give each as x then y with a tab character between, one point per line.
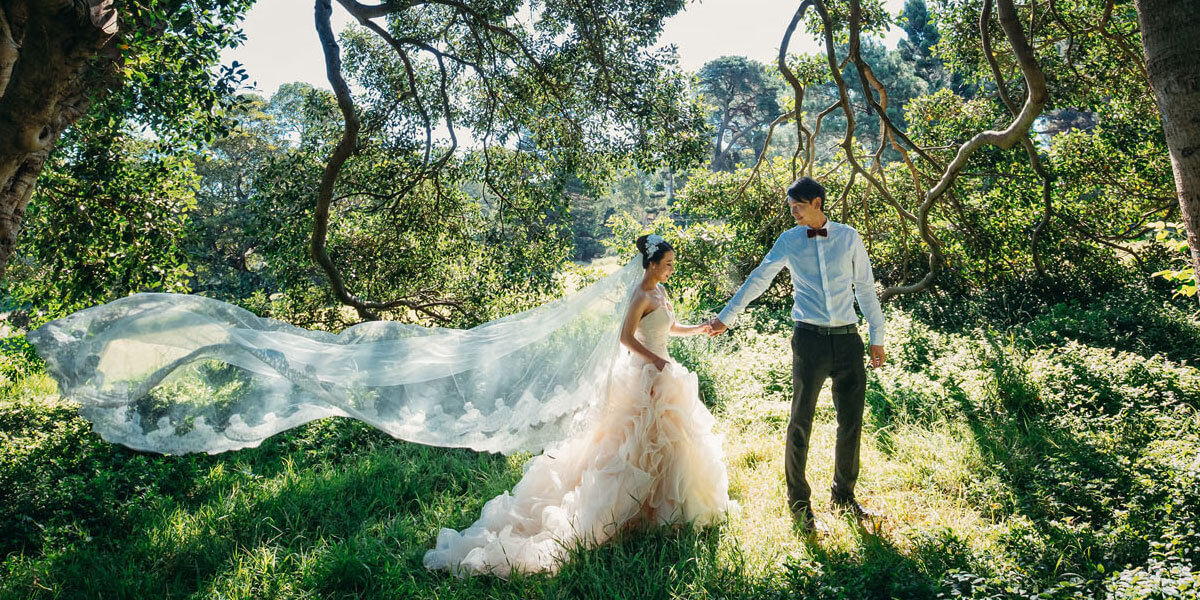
812	233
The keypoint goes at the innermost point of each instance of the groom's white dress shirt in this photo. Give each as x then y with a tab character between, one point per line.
828	272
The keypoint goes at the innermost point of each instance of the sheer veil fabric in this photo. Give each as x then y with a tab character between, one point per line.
175	373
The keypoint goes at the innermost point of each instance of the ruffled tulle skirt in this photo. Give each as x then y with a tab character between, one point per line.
651	459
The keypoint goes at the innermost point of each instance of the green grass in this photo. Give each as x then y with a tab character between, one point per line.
1012	463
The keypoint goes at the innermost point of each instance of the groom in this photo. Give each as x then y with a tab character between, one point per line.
829	268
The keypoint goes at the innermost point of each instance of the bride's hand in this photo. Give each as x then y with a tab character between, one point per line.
704	328
660	363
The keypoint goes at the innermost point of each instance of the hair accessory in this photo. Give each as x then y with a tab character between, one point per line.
652	242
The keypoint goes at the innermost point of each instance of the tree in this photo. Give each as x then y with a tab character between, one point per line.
108	217
571	88
845	22
901	78
1088	188
1171	41
921	35
743	96
114	197
232	229
58	58
447	249
46	72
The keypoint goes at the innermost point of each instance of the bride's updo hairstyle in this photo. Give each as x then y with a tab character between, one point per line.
662	248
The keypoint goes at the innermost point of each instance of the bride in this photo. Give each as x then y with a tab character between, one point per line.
586	380
651	458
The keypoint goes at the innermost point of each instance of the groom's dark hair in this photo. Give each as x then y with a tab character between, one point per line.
806	189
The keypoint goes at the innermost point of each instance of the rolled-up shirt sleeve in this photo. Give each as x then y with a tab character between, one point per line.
757	283
864	291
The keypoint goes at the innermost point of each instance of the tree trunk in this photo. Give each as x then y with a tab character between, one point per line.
1171	40
716	157
48	77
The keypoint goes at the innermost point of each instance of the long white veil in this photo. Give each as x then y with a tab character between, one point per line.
176	373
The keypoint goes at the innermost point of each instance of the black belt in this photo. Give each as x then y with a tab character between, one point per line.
841	329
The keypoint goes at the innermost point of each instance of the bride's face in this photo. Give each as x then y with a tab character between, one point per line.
664	267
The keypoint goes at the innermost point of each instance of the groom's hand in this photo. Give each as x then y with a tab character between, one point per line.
878	356
716	327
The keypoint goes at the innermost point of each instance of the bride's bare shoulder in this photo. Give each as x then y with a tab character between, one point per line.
639	299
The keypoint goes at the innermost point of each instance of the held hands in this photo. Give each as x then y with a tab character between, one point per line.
705	328
715	327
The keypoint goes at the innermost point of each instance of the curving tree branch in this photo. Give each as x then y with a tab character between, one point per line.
1035	161
344	149
1035	100
797	87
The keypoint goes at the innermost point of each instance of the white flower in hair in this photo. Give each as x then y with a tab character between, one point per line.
652	242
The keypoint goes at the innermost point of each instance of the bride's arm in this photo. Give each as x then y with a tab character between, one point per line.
637	306
678	329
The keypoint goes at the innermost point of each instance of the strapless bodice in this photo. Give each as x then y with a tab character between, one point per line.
654	329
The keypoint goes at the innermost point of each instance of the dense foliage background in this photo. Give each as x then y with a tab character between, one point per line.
1035	434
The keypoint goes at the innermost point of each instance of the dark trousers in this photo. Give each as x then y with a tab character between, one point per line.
816	357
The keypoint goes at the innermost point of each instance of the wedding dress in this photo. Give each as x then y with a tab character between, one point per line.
650	459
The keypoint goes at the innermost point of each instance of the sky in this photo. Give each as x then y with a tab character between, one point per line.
281	42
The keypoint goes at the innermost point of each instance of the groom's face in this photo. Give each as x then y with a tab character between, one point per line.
806	213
